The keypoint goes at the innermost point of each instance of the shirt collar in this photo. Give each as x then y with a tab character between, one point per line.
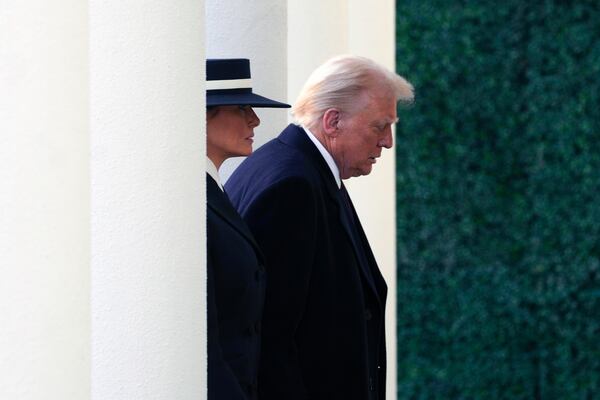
211	169
328	158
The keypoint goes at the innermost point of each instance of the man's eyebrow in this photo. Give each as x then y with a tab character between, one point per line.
394	121
386	121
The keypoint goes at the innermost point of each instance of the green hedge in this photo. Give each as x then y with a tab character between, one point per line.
498	182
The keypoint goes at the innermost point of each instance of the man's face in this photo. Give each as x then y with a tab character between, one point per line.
363	135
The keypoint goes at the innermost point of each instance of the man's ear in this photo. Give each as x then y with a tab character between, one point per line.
331	120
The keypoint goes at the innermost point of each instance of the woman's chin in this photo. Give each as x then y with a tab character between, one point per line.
243	153
247	151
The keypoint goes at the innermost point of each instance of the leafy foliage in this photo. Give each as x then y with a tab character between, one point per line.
499	200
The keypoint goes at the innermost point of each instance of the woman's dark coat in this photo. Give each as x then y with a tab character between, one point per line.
236	285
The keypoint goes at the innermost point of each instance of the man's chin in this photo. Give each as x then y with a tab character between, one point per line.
359	173
367	170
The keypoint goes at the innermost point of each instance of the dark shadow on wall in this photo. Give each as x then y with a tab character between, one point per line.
498	182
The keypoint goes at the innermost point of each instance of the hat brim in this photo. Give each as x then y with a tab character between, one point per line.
242	99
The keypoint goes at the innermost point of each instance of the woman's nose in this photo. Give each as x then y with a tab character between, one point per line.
253	119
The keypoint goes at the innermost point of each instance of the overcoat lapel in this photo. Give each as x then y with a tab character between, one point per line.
378	280
296	137
218	201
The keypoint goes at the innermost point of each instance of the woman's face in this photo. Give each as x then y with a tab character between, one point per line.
230	132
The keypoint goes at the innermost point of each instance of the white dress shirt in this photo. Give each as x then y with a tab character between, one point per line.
328	159
211	169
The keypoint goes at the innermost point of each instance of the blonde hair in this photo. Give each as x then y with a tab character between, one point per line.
340	81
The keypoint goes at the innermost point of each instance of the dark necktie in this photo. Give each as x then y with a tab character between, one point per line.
356	237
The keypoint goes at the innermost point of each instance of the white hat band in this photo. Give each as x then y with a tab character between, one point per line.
229	84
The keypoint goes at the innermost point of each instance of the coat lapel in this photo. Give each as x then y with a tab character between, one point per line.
218	201
374	275
352	226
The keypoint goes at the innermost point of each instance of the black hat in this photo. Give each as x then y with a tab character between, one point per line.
228	82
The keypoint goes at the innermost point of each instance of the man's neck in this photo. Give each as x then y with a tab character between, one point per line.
325	153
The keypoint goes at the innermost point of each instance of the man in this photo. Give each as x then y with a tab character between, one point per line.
323	323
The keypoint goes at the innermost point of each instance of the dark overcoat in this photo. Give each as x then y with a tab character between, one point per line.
236	285
323	322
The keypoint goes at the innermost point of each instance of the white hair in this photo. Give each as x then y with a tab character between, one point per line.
340	81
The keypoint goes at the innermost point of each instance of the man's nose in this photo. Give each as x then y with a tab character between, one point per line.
388	140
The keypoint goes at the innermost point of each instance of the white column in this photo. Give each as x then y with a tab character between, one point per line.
317	31
44	201
256	30
367	29
148	200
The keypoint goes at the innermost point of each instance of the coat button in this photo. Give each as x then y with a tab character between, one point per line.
368	314
253	329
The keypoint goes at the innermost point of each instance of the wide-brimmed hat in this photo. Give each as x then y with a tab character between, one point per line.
228	82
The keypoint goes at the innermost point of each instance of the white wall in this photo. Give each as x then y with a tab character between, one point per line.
317	31
256	30
148	200
44	201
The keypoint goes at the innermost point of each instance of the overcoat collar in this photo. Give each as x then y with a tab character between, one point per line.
218	201
295	136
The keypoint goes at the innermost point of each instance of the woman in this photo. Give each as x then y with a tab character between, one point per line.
236	278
